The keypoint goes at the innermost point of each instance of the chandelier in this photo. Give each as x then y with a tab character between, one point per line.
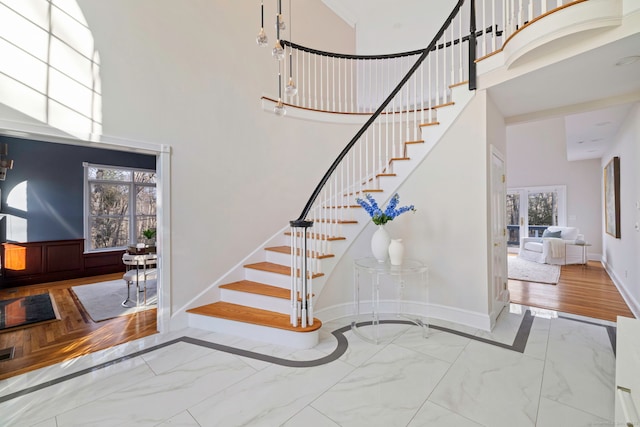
278	54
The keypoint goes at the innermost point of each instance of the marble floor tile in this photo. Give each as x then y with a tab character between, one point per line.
484	378
51	422
387	390
51	401
183	419
309	417
441	345
270	397
566	373
538	338
90	360
432	415
550	412
506	327
152	401
173	356
254	346
359	351
580	367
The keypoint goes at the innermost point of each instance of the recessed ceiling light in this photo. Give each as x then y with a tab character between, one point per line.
596	140
628	60
580	142
603	123
591	151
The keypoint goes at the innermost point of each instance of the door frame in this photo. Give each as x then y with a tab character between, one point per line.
162	152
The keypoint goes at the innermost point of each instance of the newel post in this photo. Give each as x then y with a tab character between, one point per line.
301	292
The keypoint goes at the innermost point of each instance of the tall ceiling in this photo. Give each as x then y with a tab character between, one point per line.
591	92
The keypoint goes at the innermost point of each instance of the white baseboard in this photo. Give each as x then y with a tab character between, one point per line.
435	311
633	303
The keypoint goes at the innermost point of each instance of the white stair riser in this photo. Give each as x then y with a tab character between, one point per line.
278	258
263	302
300	340
268	278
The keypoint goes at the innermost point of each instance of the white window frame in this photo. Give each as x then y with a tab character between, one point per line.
132	203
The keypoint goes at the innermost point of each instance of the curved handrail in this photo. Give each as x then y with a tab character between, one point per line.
301	220
349	56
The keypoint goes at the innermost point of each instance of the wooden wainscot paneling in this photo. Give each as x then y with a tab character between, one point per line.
22	259
96	263
49	261
63	256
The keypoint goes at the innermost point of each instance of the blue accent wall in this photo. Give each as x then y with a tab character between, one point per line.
55	178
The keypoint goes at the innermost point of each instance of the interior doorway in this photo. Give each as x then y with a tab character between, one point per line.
531	210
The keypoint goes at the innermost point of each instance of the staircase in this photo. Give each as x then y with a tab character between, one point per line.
259	305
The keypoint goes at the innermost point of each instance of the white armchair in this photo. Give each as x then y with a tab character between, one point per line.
553	248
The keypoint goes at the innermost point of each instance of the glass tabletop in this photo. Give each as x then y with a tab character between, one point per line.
372	265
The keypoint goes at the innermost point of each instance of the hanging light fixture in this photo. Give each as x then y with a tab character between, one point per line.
291	89
279	109
262	39
278	51
280	25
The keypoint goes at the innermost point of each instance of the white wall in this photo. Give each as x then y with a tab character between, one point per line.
449	229
389	29
536	156
189	74
622	256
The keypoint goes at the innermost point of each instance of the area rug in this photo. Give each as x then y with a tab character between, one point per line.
27	311
529	271
103	300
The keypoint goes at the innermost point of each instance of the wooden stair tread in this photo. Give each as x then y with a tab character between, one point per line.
255	316
287	250
372	190
420	141
400	158
385	174
276	268
342	207
321	236
337	221
428	124
258	288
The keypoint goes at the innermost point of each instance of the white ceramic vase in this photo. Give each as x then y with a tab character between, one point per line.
396	251
380	244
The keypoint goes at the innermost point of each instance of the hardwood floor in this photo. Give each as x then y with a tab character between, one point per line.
582	290
75	334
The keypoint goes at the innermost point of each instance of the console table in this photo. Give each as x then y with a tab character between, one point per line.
369	272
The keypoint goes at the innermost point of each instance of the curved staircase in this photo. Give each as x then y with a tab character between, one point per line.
258	306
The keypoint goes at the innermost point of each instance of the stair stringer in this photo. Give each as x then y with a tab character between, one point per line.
416	154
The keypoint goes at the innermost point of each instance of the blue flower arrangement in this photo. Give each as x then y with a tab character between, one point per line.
380	217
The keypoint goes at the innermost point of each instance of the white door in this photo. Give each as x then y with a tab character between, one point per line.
499	297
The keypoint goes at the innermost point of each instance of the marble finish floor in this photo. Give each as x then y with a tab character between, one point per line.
536	368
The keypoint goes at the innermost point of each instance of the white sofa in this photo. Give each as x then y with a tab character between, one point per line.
553	250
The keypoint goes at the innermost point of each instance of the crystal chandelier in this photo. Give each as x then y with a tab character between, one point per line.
262	39
278	53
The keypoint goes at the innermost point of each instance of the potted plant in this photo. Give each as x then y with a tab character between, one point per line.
149	235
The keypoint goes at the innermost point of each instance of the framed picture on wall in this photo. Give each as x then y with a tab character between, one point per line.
612	197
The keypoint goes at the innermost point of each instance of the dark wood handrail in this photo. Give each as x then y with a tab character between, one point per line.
301	221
